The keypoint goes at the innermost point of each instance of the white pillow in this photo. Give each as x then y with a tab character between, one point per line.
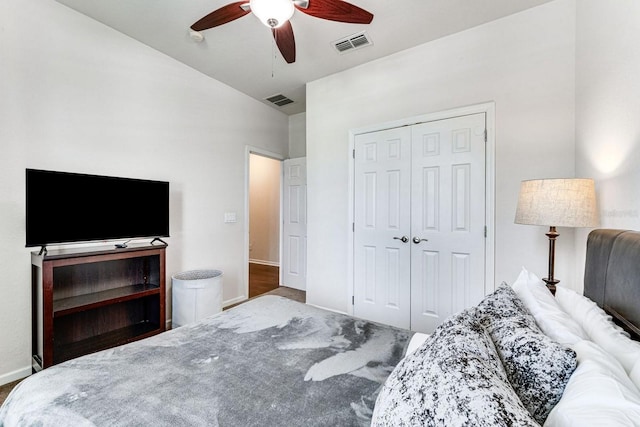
599	393
416	341
635	374
600	328
550	317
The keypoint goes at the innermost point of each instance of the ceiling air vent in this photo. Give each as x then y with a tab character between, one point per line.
279	100
352	42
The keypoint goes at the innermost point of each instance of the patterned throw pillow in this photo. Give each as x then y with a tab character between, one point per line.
537	367
455	379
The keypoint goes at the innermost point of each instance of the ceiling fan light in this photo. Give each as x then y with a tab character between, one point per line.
272	13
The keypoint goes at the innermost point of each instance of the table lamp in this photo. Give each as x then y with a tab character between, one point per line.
557	203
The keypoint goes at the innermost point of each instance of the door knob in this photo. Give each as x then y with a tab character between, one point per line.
403	239
417	240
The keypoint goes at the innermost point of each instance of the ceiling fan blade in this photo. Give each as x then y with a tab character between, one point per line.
285	41
337	10
221	16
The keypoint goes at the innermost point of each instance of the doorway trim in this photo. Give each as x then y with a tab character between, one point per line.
249	150
488	108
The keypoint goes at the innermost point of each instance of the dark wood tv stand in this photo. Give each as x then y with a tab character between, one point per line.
90	299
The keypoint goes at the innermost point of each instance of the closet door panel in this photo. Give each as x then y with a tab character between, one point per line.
382	205
447	218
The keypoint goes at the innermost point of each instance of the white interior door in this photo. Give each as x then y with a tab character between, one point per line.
427	183
294	251
447	218
382	226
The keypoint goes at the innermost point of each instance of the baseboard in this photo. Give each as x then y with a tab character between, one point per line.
292	287
235	300
262	262
15	375
328	309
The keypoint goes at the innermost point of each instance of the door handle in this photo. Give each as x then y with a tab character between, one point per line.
417	240
403	239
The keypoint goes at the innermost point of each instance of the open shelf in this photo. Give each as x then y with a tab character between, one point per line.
63	352
78	303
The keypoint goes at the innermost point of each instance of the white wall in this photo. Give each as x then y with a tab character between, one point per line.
608	111
78	96
525	63
297	135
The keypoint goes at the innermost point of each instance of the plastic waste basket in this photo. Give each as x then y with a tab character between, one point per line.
196	294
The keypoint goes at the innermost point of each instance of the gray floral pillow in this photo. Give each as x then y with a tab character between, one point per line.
455	379
537	367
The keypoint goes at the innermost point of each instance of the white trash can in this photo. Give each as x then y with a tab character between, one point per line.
196	295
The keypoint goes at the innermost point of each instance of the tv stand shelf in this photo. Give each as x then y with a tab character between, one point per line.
91	299
72	305
105	341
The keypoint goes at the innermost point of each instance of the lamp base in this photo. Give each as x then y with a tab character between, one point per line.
551	284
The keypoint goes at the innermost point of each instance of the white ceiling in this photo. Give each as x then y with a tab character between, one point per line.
242	54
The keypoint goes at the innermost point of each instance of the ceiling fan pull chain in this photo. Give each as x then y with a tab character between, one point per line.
273	55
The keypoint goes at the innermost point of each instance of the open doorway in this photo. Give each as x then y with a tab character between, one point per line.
264	223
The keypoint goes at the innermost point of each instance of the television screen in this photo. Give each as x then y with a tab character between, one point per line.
67	207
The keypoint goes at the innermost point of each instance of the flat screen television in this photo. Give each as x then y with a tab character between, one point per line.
63	207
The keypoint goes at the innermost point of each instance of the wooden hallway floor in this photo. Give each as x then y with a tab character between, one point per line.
262	279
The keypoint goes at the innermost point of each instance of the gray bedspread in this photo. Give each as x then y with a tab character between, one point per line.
268	362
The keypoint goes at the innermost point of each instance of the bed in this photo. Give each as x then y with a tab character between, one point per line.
521	357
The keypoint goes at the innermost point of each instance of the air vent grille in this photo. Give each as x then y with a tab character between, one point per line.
352	42
280	100
360	41
343	45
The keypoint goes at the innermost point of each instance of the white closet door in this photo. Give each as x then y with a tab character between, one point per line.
294	235
382	218
427	183
447	218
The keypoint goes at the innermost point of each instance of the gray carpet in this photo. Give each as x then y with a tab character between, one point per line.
283	291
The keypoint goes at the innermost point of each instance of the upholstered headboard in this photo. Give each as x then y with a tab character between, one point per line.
612	275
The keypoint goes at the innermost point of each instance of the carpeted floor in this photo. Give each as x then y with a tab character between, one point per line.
294	294
6	389
282	291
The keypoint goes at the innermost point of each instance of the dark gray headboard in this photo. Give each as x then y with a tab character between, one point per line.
612	275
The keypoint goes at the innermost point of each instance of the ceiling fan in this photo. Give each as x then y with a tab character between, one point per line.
275	14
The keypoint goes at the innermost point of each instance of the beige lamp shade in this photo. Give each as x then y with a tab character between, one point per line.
558	202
